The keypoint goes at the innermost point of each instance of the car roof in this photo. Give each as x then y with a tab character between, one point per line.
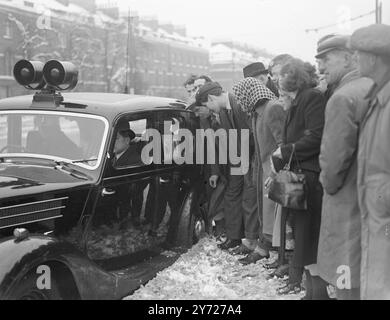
108	105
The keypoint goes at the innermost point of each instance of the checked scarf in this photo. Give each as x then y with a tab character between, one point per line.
249	91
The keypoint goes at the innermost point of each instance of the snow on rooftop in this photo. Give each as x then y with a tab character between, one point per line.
74	12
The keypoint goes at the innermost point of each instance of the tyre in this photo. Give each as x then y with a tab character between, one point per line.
199	225
27	289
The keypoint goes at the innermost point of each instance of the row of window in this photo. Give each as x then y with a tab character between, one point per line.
6	63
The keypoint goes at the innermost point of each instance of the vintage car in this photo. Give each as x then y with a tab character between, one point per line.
70	208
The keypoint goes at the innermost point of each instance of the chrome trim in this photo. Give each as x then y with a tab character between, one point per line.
32	212
32	203
40	214
28	222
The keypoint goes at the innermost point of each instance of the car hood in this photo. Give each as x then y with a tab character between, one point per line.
22	180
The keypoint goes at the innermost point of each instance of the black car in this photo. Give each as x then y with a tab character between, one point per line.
74	223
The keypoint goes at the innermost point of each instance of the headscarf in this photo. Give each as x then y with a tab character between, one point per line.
249	91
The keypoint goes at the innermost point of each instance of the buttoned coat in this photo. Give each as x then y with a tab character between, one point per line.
340	234
374	195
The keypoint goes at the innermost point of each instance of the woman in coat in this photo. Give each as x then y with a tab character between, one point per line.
302	132
267	117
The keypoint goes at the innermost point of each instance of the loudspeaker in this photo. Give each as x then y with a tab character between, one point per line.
60	75
29	74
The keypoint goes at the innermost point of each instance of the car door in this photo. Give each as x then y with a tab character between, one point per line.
116	227
178	177
136	202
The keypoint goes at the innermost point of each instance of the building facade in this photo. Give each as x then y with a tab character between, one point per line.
113	52
228	58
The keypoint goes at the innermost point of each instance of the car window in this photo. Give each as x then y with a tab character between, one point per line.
71	129
72	137
173	123
128	145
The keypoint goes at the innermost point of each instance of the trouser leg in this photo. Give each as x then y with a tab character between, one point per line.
137	199
319	288
250	209
233	208
308	286
282	247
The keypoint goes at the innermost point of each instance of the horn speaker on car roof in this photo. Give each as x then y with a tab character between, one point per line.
29	74
60	75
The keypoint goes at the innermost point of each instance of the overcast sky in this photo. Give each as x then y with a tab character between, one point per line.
276	25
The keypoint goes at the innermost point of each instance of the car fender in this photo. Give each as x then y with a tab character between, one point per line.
21	258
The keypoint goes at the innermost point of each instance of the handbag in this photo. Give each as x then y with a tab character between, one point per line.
288	188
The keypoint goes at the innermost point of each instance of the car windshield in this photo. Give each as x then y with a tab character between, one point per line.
70	137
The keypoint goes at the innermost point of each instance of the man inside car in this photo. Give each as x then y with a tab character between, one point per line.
127	154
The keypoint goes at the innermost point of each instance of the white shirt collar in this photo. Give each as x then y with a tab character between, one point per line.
228	105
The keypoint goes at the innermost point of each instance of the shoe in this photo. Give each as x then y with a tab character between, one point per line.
221	239
273	265
241	251
280	272
229	244
289	288
252	258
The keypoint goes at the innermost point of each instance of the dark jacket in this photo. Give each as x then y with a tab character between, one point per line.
131	156
303	127
238	120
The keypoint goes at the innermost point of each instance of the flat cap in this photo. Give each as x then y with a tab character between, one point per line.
213	88
374	39
332	42
254	69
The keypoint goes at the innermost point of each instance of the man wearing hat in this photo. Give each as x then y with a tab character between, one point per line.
126	154
258	71
240	200
339	243
323	85
372	44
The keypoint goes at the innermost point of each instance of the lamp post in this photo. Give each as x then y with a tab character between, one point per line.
126	91
378	11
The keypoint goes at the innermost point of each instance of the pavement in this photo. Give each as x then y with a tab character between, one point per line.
208	273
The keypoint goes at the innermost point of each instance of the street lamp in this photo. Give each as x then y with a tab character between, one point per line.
126	91
378	11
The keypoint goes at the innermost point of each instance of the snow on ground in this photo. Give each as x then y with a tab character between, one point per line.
207	273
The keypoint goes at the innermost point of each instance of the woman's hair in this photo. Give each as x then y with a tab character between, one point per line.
190	80
280	59
205	78
297	75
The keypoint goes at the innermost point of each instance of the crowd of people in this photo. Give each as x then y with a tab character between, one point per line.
330	123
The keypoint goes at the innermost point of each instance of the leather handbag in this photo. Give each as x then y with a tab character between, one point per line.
288	188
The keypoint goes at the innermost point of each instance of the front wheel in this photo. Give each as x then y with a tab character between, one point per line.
27	289
192	225
199	226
